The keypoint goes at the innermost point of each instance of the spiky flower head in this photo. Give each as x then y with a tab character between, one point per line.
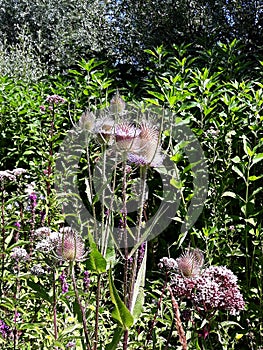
190	262
104	129
87	121
147	146
70	247
117	105
125	134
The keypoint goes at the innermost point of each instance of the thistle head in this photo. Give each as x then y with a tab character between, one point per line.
87	121
70	246
104	130
190	262
117	105
146	146
125	134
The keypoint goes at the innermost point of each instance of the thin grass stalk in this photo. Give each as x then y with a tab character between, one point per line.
104	180
108	221
49	167
82	309
178	322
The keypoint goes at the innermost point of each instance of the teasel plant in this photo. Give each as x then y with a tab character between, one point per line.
120	150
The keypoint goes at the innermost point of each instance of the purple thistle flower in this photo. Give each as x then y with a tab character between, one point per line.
190	262
63	281
70	246
137	159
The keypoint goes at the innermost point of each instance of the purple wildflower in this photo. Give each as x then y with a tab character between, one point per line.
6	174
18	225
42	108
33	199
141	252
86	281
19	254
63	281
214	289
71	344
55	99
137	159
4	329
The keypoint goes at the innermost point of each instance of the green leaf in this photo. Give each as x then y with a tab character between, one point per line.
138	292
156	94
238	172
41	291
120	313
96	261
247	149
254	177
229	194
257	158
116	338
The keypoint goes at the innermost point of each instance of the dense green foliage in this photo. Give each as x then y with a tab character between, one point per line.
55	35
219	95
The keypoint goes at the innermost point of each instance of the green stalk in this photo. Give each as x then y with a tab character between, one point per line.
96	333
55	306
143	176
82	309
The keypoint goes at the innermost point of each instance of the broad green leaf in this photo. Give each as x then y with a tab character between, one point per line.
116	338
96	261
138	292
236	159
120	313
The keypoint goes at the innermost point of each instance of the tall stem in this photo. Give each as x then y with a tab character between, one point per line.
55	306
82	309
126	251
97	313
3	236
143	177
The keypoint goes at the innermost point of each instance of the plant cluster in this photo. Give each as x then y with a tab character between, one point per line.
75	287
